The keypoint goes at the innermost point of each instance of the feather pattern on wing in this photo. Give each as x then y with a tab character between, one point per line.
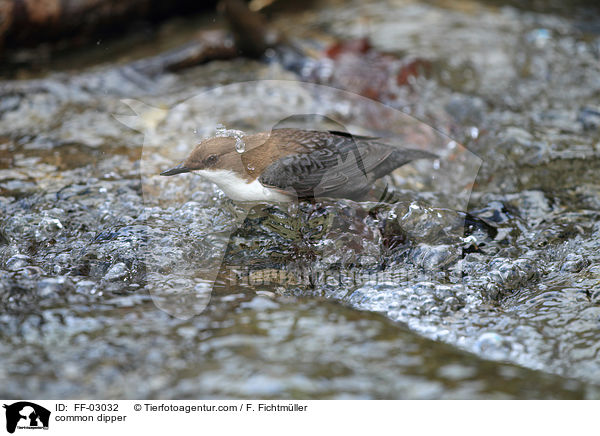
332	164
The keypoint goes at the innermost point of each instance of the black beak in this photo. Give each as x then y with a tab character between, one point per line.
176	170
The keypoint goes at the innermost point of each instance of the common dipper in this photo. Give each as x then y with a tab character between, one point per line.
293	163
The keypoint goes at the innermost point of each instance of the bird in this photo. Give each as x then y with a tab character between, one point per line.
290	163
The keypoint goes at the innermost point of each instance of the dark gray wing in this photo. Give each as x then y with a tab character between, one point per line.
345	167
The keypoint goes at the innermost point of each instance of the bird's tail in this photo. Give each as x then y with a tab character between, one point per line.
410	154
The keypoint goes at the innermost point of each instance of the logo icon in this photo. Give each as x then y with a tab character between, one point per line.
26	415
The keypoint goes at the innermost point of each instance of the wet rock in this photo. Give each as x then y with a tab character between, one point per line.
522	147
118	271
86	286
533	206
513	274
494	211
573	263
30	273
51	287
433	258
589	118
3	238
48	228
17	262
466	109
9	102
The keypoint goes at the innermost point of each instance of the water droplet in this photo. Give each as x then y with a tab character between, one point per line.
240	145
222	131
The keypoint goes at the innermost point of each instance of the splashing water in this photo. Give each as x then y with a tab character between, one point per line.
240	145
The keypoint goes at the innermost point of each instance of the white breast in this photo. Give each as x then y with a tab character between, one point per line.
238	189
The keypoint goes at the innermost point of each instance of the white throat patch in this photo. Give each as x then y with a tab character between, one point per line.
238	189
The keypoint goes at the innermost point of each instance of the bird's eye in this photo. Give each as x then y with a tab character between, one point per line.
212	159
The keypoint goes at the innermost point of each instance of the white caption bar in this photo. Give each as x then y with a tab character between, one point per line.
265	417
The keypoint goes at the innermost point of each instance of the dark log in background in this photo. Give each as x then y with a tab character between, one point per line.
27	23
